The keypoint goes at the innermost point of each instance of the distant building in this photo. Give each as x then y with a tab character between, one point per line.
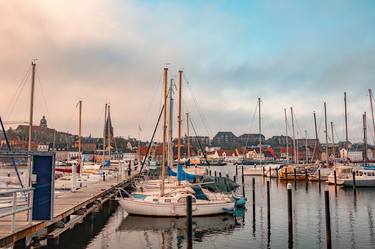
251	139
197	141
225	139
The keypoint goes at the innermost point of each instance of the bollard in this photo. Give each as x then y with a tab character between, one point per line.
263	171
290	214
268	204
270	171
189	215
253	191
353	173
328	220
295	175
243	183
334	177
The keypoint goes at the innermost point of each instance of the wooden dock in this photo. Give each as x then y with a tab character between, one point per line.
80	203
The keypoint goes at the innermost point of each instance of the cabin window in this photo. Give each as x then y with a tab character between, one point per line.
155	199
182	200
364	173
360	173
167	200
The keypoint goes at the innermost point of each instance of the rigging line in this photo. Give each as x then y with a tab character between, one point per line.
252	120
152	139
42	92
200	145
18	92
202	117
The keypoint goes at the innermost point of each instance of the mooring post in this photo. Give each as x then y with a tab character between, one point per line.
320	186
328	220
253	191
243	183
236	170
263	171
227	176
103	174
189	215
353	173
215	173
234	178
220	174
334	177
306	176
209	172
206	170
290	214
268	203
270	171
277	173
295	175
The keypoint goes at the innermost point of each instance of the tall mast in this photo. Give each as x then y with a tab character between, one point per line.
105	125
164	132
307	159
260	129
170	125
33	64
79	132
333	142
109	131
286	135
294	136
179	115
188	135
316	135
346	123
372	113
326	129
364	138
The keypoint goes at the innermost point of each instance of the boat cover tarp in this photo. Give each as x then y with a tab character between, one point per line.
170	172
199	193
182	175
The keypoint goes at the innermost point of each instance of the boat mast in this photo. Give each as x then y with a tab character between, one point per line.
372	113
109	132
286	136
164	132
260	130
79	133
364	139
294	136
33	65
306	147
316	136
170	125
346	124
105	125
188	136
333	144
326	130
179	116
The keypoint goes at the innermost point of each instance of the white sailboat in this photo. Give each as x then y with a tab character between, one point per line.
170	200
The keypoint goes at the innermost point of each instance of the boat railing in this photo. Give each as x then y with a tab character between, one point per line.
15	208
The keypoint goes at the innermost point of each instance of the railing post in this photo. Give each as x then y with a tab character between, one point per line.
14	209
30	202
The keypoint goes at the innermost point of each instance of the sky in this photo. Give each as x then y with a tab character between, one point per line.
288	53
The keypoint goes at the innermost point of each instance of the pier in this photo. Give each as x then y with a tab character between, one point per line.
70	208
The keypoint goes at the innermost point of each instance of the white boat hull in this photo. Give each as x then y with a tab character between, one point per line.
139	207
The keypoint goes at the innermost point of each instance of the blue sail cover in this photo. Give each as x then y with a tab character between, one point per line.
182	175
170	172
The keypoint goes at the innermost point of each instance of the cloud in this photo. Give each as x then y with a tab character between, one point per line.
114	51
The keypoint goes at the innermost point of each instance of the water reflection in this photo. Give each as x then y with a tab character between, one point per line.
174	229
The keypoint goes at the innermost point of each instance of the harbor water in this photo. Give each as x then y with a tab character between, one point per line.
352	222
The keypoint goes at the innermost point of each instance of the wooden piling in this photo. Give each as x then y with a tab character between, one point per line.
209	172
268	203
295	175
243	182
286	175
236	170
215	173
290	213
334	177
263	171
219	174
253	191
319	180
353	173
234	178
328	220
270	171
189	215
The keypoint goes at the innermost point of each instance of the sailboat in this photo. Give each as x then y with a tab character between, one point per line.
171	200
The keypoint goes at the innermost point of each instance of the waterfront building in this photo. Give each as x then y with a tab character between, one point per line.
225	139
